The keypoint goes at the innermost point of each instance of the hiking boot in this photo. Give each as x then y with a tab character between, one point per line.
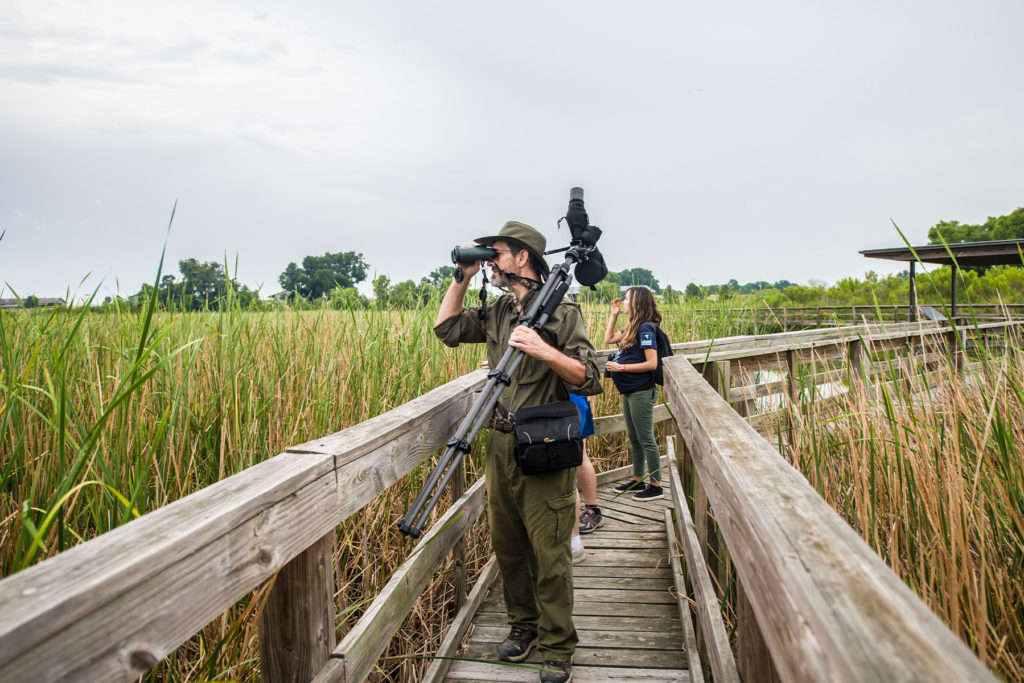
516	647
556	672
579	555
629	485
590	519
652	492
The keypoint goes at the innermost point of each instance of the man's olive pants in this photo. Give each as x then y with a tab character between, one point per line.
531	520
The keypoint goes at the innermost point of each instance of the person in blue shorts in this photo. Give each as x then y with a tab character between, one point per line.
586	479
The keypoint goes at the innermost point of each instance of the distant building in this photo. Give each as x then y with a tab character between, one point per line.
40	302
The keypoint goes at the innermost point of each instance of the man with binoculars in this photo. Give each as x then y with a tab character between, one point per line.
531	517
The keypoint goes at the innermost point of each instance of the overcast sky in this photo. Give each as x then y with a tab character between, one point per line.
750	140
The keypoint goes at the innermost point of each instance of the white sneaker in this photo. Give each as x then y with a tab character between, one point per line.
579	555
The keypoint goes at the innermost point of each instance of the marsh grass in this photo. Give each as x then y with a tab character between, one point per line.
927	464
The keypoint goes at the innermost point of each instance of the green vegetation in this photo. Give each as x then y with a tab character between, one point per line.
320	274
1008	227
201	286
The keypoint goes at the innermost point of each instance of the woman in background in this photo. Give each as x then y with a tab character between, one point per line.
632	370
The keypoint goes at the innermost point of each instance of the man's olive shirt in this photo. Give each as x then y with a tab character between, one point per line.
534	381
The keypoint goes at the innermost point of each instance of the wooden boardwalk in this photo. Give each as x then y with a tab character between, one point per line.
806	592
625	608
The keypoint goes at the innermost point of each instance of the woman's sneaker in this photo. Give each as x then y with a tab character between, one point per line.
628	485
590	519
652	492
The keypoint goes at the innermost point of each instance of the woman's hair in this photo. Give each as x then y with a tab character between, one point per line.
642	309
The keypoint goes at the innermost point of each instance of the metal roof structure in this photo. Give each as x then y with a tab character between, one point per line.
993	253
958	254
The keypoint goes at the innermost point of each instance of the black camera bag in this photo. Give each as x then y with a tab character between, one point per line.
547	437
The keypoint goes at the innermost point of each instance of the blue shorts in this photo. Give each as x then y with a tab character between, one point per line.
586	417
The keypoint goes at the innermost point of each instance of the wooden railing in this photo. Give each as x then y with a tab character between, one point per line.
812	600
111	608
116	605
791	317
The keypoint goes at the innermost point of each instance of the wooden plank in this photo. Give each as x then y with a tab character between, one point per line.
581	607
617	475
682	601
614	513
449	646
623	541
753	659
297	621
178	568
709	617
595	656
594	638
656	572
604	622
614	476
650	510
622	583
362	646
613	526
658	596
814	586
484	671
611	424
625	534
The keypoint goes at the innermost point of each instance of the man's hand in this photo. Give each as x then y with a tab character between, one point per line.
527	340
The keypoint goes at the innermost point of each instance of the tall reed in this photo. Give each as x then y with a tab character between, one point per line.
927	464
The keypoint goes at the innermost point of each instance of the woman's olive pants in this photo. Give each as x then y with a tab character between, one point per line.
638	409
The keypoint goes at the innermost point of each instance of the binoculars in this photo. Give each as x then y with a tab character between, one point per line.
473	254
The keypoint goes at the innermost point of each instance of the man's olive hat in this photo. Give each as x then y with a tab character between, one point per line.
521	235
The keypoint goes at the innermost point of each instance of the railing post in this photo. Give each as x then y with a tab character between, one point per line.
855	364
296	626
753	659
957	343
792	389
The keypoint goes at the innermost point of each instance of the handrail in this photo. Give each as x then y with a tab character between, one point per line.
867	307
827	606
180	566
117	604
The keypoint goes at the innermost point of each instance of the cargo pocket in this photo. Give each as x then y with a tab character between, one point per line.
564	514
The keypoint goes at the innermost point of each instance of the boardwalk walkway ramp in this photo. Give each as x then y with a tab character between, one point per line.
625	609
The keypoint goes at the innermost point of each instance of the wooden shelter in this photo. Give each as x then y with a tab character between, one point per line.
992	253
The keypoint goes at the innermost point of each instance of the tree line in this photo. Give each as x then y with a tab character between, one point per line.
331	279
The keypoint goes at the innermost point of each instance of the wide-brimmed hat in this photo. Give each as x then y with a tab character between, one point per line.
521	235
